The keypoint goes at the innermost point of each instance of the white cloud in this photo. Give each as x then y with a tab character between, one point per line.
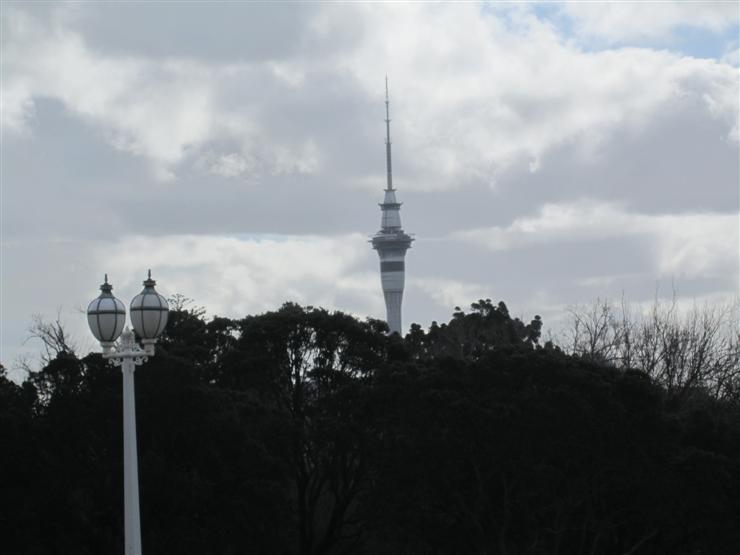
237	276
150	109
278	160
732	56
622	21
159	109
229	165
691	245
448	293
476	97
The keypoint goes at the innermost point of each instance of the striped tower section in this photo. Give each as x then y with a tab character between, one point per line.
391	242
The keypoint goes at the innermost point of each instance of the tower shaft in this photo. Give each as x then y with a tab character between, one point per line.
391	242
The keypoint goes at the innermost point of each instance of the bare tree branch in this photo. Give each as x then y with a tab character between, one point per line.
53	336
681	350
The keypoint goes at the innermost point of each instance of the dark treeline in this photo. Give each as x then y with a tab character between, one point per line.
304	431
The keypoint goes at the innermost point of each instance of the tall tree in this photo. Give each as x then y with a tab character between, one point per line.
312	366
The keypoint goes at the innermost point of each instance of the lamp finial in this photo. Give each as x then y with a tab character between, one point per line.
106	287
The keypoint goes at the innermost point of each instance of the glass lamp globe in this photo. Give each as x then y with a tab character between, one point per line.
106	316
149	311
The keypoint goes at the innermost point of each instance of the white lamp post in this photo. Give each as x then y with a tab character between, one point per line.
106	316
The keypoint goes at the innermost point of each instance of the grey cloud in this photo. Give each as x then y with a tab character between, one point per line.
63	180
237	31
680	160
212	31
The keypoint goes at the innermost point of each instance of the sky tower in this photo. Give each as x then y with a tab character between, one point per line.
391	242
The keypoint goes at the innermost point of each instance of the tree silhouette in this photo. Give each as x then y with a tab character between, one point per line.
307	431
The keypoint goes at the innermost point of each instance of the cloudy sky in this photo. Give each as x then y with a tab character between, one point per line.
546	154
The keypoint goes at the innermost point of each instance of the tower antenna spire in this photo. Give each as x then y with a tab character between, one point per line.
388	139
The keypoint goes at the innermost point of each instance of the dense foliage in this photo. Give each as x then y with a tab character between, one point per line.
304	431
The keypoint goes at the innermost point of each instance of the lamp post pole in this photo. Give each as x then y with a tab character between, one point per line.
106	316
128	356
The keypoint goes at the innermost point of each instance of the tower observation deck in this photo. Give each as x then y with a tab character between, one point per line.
391	242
